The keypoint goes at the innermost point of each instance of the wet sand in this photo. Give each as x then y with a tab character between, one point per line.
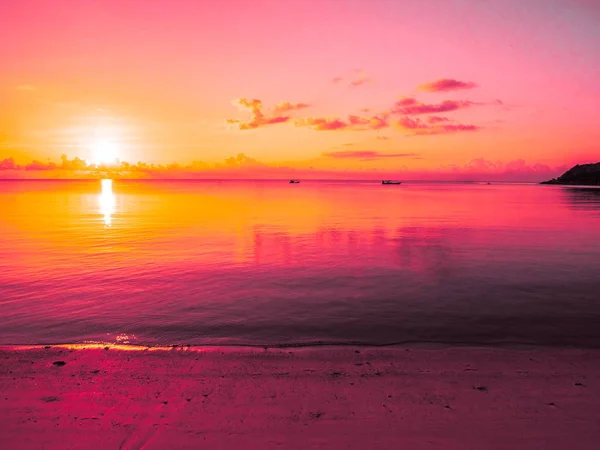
344	397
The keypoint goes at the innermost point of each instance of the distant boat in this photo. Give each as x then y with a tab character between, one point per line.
489	182
294	181
390	182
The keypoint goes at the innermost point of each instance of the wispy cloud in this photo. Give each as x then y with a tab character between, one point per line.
322	123
356	123
360	80
409	106
365	154
354	81
445	85
437	119
287	106
419	127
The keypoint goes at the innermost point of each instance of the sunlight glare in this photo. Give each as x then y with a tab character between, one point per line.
107	202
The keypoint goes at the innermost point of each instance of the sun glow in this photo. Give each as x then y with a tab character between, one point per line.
104	151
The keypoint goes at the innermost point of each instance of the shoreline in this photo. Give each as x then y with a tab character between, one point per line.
424	345
83	396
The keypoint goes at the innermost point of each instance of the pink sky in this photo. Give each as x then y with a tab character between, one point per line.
182	81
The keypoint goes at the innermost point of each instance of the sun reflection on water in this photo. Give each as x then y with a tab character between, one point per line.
107	202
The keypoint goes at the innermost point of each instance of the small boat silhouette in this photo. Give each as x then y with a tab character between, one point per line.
390	182
294	181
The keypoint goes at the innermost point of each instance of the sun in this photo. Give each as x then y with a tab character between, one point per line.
104	151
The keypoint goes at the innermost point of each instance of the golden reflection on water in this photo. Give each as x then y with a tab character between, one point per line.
107	202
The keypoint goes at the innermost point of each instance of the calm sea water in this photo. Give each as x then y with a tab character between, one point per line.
269	263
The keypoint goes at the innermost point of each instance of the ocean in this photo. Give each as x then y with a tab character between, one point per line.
269	263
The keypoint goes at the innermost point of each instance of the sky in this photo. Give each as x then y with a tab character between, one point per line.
345	88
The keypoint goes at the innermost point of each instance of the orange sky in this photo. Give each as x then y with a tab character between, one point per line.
314	87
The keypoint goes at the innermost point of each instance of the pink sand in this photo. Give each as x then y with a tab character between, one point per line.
350	398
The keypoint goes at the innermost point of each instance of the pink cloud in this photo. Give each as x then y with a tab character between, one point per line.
406	101
459	127
355	123
418	127
9	164
258	119
365	154
445	85
407	123
357	120
437	119
422	108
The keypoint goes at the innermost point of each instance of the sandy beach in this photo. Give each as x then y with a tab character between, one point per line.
346	397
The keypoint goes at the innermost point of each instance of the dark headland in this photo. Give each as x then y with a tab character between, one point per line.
583	175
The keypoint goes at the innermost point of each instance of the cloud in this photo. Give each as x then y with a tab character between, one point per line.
411	107
242	166
287	106
355	123
242	160
322	123
437	119
354	81
36	165
258	119
365	154
66	164
459	127
445	85
362	79
408	123
406	101
405	107
8	164
418	127
517	169
73	164
382	138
